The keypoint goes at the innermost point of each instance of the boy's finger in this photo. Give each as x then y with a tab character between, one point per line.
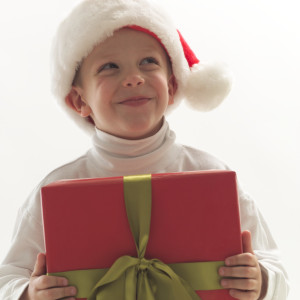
238	272
46	282
243	294
244	259
239	284
58	293
246	241
40	265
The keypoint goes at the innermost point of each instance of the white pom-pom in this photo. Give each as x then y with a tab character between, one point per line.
207	86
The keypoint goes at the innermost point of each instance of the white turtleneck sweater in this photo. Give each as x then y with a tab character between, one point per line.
112	156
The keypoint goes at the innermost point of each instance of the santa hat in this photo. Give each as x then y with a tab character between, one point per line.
202	85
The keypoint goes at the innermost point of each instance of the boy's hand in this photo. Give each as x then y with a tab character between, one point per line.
43	287
245	274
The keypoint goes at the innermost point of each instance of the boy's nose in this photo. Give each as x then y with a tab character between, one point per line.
133	80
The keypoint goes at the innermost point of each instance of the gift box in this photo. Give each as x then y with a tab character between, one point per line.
143	237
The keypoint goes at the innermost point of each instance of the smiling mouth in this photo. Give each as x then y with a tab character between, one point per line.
135	101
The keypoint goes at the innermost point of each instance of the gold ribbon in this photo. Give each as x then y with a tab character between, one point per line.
132	278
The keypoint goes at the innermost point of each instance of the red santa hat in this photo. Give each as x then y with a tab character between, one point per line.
202	85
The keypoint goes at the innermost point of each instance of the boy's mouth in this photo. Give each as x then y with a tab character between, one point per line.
135	101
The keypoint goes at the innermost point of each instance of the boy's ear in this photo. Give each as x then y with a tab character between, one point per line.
75	101
172	88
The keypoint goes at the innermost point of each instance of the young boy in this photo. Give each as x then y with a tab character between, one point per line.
118	66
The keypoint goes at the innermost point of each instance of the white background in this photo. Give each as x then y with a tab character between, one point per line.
255	131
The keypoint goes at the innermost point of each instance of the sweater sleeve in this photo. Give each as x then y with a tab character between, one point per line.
19	262
264	248
28	236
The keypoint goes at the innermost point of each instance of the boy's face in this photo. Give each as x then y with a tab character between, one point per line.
125	85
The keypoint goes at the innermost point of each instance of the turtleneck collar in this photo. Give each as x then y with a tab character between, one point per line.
118	157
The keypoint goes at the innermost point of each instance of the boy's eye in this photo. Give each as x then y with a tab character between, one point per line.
108	66
149	60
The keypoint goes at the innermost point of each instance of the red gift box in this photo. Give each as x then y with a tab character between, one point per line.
194	218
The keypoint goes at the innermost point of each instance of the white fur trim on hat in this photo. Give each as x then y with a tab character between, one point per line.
204	86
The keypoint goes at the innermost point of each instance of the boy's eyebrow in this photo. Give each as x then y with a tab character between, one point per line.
99	56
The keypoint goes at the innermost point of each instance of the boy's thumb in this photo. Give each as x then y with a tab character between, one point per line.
40	265
246	241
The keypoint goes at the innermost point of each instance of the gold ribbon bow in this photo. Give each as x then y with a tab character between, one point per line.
137	278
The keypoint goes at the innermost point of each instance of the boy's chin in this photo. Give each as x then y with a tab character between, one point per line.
136	133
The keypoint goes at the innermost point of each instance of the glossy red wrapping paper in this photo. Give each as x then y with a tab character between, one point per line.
195	217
